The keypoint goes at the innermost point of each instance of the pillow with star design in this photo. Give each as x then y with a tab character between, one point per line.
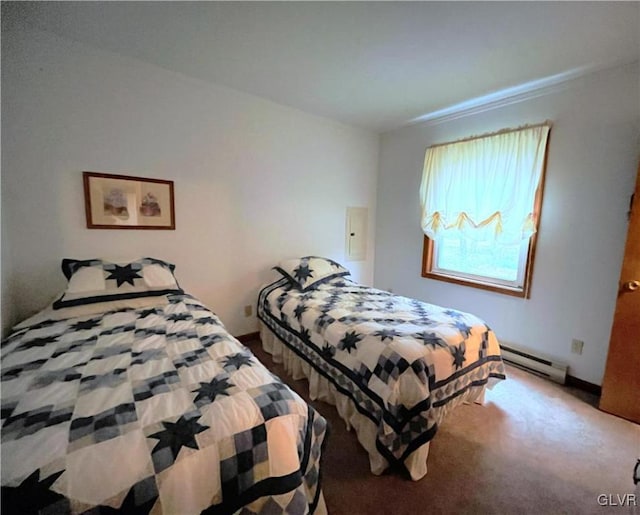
308	272
96	280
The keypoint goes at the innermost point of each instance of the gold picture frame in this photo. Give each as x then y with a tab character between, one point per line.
124	202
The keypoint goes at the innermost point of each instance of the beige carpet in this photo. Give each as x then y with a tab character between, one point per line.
533	447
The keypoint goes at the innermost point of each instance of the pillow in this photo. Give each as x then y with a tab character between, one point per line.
310	271
94	280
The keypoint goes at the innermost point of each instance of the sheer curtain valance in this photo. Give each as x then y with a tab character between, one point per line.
484	187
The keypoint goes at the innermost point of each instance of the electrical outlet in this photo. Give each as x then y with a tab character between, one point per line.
576	346
248	310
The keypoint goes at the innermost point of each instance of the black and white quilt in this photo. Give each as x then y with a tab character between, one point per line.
401	361
153	410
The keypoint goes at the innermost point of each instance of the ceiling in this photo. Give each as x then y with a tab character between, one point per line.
376	65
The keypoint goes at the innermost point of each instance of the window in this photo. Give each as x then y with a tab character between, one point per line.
481	200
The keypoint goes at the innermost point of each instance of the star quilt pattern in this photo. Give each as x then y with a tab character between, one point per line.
400	361
151	411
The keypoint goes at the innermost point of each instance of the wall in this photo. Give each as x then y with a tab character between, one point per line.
592	160
255	182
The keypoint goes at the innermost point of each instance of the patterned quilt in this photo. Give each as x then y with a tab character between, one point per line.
151	411
401	361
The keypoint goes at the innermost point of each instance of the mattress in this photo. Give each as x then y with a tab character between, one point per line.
400	364
151	410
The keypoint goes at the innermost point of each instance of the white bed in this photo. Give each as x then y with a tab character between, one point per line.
122	402
393	366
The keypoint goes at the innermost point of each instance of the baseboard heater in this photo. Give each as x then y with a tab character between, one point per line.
546	367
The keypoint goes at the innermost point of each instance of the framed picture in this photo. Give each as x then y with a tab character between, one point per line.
123	202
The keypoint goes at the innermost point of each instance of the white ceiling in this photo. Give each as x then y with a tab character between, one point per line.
372	64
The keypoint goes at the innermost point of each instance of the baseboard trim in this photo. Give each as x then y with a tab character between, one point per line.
246	338
583	385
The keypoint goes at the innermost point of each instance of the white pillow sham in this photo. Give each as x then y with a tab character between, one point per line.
310	271
97	281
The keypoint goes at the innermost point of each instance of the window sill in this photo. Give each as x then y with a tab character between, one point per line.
514	292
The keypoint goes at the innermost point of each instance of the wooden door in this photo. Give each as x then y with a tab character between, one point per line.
621	384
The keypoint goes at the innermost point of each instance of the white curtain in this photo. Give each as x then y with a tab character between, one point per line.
484	187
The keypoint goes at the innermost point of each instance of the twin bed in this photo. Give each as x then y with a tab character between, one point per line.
132	397
393	366
129	395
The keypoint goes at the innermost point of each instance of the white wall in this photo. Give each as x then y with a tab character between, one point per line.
592	162
255	182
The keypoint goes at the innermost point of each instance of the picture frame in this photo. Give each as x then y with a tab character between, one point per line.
126	202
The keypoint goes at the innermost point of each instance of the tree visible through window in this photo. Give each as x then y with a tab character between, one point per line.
481	200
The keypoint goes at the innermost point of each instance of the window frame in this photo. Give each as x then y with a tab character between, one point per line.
485	283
